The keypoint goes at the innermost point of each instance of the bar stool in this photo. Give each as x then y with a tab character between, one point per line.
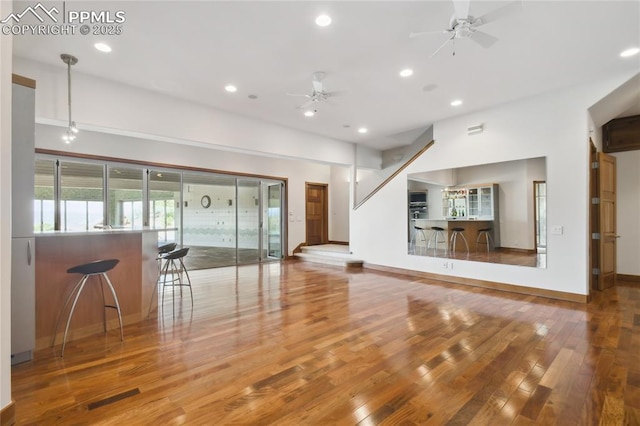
174	266
162	250
421	231
454	238
484	233
437	237
98	268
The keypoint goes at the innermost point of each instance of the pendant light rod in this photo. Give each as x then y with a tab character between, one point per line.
71	130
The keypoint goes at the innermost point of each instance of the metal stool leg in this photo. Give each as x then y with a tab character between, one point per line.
64	307
73	307
117	306
188	279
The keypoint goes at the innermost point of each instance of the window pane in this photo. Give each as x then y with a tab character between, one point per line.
164	201
44	211
81	196
125	197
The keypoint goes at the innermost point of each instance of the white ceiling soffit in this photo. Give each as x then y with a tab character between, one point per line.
622	102
192	49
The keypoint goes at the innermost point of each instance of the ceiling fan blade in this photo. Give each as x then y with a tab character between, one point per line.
413	35
443	45
483	39
306	104
462	9
499	13
335	93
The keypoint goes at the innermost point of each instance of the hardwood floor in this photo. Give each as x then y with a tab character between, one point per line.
300	344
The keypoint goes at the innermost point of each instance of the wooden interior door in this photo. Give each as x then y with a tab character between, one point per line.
317	214
608	230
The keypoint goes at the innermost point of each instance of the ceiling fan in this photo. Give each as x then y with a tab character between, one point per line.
463	25
318	94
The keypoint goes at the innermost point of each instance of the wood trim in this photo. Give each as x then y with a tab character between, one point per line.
298	248
23	81
632	278
153	164
551	294
396	173
8	414
340	243
516	250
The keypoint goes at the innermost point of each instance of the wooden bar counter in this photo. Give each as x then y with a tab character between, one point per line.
471	229
133	278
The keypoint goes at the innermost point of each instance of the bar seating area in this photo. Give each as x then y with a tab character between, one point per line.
97	269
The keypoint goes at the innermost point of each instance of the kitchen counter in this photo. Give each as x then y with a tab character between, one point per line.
471	229
134	278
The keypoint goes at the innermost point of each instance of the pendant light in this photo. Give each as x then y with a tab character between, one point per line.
70	134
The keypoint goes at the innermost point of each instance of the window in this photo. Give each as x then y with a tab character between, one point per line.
43	203
81	196
125	197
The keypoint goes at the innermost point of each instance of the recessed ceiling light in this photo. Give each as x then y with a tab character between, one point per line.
363	130
230	88
252	97
103	47
407	72
457	102
309	113
323	20
630	52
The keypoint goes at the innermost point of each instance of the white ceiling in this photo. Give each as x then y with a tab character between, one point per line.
191	50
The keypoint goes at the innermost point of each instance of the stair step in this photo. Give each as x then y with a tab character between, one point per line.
330	259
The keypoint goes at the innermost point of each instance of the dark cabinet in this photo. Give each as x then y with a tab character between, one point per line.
621	134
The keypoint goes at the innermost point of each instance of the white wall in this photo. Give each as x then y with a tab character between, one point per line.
104	104
552	125
5	209
148	151
515	196
338	203
628	219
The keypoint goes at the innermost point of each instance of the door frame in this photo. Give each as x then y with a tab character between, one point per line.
325	211
594	219
596	235
535	213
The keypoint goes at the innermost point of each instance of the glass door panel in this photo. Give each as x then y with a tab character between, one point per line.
164	204
272	220
124	202
248	217
209	220
44	205
540	193
81	196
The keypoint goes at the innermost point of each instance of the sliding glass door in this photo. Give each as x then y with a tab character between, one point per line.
209	220
272	226
165	197
248	220
224	219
